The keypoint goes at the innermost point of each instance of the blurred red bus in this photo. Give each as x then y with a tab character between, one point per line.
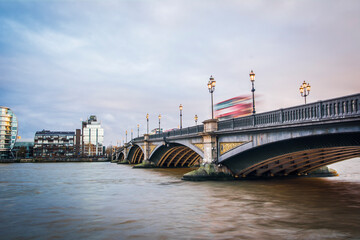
234	107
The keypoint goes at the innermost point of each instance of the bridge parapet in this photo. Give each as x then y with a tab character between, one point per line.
348	106
330	109
174	133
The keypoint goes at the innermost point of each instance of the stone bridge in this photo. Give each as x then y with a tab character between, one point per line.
290	141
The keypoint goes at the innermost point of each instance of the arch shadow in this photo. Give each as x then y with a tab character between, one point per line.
175	155
135	155
295	156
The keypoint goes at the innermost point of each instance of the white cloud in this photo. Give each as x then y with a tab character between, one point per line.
123	59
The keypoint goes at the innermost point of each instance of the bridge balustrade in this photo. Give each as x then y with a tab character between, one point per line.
155	136
295	114
328	109
268	118
341	107
333	108
173	133
138	139
243	122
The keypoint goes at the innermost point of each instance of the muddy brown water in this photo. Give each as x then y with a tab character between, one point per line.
110	201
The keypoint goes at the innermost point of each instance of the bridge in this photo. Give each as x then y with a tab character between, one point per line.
289	141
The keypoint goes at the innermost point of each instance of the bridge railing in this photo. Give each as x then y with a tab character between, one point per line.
138	139
173	133
329	109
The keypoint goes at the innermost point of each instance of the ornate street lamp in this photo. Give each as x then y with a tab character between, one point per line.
305	90
211	87
126	135
252	79
159	122
138	130
147	122
196	119
131	134
181	108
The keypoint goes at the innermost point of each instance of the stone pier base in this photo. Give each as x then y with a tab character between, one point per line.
209	172
125	161
323	172
145	164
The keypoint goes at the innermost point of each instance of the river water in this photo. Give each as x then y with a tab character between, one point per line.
110	201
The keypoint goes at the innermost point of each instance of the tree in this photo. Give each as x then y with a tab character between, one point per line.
22	152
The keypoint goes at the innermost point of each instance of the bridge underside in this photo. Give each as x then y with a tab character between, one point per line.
295	156
121	157
300	162
177	156
136	155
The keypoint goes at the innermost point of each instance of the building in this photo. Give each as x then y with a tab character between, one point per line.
77	142
8	132
50	144
23	149
92	137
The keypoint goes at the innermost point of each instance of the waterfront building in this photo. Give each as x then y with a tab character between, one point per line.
77	147
8	132
23	149
92	137
49	144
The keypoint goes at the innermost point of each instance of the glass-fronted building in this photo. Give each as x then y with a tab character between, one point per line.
23	149
50	144
92	137
8	132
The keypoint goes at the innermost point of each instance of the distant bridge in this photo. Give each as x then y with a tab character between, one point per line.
289	141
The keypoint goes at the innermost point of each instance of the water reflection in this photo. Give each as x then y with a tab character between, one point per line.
109	201
296	209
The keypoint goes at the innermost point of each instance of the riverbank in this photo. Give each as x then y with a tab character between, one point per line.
41	160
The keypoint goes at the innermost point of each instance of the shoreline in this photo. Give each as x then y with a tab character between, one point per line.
53	160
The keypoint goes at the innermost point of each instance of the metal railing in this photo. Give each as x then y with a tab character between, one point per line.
329	109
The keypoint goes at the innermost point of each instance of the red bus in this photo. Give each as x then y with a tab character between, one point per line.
233	108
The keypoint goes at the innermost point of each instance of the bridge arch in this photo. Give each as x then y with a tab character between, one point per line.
121	157
136	154
295	156
175	155
183	142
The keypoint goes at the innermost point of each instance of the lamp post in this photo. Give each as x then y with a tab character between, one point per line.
305	90
131	134
196	119
159	123
138	130
126	135
147	123
181	108
211	87
252	79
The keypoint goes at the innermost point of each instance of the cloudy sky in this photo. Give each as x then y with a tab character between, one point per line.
62	60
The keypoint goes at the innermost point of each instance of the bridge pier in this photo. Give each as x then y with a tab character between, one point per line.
209	168
125	152
114	157
146	163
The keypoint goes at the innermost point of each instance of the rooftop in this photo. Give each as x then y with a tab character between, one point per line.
48	132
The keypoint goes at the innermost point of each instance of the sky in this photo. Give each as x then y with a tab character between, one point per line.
62	61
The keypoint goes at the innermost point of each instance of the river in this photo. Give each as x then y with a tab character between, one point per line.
110	201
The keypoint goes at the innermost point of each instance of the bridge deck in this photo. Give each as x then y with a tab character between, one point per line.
337	108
